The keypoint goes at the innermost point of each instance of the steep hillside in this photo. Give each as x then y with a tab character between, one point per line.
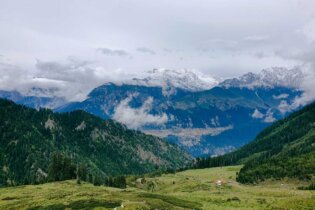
285	149
28	138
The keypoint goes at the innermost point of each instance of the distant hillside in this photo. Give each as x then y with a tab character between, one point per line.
285	149
28	138
34	101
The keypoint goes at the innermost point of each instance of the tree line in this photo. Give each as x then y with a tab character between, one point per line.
62	167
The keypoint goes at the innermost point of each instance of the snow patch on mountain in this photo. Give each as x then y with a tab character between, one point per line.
215	121
281	96
135	118
269	118
273	77
185	79
257	114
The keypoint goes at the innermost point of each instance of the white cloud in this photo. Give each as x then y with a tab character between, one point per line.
257	114
269	117
308	95
215	121
136	118
281	96
309	30
71	78
222	38
227	30
259	54
146	50
110	52
256	38
284	107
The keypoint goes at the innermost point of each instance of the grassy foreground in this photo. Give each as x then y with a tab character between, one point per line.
192	189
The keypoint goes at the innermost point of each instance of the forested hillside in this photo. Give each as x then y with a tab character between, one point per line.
29	139
285	149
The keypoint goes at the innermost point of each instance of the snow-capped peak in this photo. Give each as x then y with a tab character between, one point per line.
273	77
191	80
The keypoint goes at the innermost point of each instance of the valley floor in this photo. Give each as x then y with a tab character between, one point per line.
192	189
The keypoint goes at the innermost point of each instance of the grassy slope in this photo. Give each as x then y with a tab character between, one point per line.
192	189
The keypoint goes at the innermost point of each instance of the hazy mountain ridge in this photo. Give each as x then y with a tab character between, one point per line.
34	99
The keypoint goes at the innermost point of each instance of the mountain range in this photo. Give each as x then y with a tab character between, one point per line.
197	112
33	100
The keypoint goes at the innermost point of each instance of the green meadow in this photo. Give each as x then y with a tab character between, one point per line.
191	189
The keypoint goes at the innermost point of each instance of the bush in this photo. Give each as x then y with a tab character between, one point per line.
310	187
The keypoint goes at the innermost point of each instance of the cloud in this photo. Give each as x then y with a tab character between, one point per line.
71	78
257	114
308	95
167	50
309	30
304	56
284	107
226	44
69	71
12	76
269	117
215	39
306	59
259	54
281	96
110	52
146	50
136	118
256	38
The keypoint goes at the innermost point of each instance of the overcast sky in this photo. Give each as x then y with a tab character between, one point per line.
60	41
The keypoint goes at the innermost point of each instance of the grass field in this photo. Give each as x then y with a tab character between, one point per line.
192	189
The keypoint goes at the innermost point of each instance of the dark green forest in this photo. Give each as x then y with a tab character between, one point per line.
285	149
36	144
